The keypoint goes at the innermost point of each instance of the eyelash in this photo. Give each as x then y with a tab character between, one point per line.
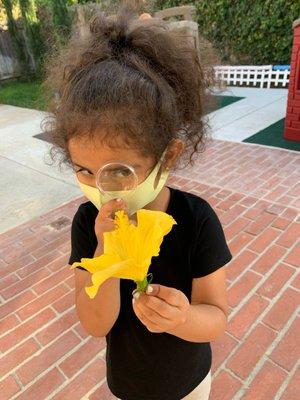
80	170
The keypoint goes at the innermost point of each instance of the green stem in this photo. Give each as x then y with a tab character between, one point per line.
142	285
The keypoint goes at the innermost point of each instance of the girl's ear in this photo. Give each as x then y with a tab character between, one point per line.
174	151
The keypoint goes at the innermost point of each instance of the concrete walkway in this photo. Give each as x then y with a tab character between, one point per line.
29	187
255	190
259	109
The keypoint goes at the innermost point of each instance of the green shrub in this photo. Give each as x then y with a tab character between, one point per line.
244	31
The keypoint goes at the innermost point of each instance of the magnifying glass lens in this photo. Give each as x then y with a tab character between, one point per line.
116	177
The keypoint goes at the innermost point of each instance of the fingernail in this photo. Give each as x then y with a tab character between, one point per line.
136	295
119	200
149	289
133	301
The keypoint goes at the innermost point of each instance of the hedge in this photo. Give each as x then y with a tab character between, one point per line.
244	31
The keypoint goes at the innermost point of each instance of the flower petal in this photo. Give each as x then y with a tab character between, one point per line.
120	240
124	270
97	263
153	226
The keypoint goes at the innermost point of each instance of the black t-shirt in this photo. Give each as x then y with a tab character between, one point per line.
159	366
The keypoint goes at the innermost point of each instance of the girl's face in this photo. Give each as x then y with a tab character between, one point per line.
89	156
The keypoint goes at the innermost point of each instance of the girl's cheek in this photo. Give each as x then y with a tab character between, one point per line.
86	179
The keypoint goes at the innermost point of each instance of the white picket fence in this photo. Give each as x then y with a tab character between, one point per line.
252	75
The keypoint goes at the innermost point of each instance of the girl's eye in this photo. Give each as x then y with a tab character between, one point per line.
84	171
121	173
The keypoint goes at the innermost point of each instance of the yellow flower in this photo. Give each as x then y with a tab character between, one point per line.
128	249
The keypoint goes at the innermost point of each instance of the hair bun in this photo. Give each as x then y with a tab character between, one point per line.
111	29
118	39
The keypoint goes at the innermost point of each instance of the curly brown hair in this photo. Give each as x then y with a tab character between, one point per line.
129	77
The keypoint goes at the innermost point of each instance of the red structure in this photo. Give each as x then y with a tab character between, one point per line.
292	119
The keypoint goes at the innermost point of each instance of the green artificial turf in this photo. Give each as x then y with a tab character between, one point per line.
273	136
221	101
226	100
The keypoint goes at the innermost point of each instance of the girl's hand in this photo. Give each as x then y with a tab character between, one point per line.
104	221
163	309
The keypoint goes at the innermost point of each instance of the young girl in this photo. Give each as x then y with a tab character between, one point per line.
132	92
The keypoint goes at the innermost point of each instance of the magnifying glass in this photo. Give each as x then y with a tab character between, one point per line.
116	180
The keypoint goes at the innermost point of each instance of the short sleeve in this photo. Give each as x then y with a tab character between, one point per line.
211	251
80	239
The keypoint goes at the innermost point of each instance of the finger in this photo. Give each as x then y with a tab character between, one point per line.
170	295
123	206
143	318
152	315
108	225
110	207
163	308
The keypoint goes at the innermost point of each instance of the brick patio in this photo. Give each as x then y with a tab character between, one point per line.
255	190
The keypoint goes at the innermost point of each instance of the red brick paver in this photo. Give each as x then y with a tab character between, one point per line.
46	353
